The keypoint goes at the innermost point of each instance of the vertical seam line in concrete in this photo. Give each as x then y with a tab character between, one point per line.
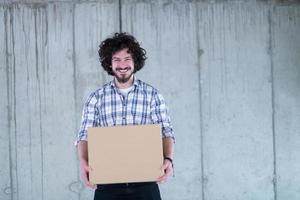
273	101
40	98
120	15
75	80
9	106
36	68
200	103
14	94
47	69
36	46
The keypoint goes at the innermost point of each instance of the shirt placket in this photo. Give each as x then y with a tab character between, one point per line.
124	109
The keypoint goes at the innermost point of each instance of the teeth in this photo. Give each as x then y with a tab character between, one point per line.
123	70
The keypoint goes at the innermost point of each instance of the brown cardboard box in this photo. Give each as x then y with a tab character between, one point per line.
124	154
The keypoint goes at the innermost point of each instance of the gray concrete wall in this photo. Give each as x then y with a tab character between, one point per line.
229	70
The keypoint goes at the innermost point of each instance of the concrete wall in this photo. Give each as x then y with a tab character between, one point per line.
229	70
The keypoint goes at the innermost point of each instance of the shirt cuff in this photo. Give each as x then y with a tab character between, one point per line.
168	132
84	138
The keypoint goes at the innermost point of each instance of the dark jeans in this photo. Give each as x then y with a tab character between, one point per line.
128	191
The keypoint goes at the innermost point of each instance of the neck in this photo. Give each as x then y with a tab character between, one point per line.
125	85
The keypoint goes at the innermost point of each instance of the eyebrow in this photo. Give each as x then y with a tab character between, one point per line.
118	58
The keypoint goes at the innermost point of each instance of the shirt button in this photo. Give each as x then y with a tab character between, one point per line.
124	117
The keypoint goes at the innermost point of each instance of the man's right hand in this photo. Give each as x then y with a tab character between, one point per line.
84	172
84	167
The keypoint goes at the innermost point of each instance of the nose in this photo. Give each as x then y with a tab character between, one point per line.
123	63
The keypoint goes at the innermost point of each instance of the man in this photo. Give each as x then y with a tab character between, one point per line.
124	101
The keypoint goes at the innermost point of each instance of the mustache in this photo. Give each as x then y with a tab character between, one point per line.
126	68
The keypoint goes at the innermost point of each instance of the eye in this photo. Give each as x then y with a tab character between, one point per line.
115	60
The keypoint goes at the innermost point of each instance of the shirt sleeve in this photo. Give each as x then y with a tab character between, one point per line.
160	115
90	115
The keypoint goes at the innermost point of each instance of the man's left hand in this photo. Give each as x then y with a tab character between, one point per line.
168	169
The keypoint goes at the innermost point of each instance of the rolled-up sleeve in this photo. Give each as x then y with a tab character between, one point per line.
160	115
90	115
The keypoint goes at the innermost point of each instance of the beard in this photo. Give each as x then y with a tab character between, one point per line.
123	78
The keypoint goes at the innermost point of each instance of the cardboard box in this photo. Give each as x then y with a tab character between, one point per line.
124	154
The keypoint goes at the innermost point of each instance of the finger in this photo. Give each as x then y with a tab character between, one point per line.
165	177
91	185
86	182
85	178
168	171
165	167
168	174
162	179
166	164
87	168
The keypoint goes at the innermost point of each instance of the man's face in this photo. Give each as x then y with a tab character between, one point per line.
122	65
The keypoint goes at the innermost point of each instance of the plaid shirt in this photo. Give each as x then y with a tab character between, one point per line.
107	107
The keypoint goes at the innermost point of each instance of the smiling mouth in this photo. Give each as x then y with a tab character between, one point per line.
123	70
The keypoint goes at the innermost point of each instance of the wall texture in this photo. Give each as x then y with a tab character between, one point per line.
229	70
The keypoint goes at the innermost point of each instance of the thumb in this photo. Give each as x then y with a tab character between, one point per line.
164	166
86	168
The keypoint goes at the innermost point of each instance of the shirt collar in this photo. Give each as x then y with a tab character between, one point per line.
136	82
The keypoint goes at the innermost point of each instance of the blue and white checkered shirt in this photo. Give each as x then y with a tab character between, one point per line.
108	107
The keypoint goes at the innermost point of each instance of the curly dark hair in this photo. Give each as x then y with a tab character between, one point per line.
116	43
